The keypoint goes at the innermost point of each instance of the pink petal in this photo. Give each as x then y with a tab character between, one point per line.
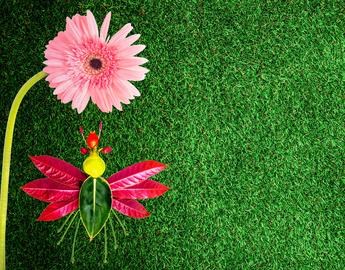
61	42
130	75
125	43
53	85
115	101
54	62
138	69
52	76
105	100
73	30
59	170
58	210
83	104
121	34
81	98
96	99
67	96
82	25
91	21
129	62
144	190
48	190
129	87
61	78
135	173
122	94
130	208
52	69
63	87
54	54
130	51
105	27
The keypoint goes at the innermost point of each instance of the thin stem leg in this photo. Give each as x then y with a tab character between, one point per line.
113	231
105	245
65	222
69	225
123	227
74	240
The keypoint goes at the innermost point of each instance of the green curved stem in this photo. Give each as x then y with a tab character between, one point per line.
6	160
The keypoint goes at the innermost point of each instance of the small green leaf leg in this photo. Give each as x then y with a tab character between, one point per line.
123	227
69	225
74	240
105	245
113	231
64	223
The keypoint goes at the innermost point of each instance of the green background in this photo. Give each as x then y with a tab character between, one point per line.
244	101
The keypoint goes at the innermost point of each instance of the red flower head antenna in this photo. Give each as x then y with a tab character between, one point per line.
92	141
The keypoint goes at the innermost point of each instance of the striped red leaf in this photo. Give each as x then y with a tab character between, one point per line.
144	190
59	170
48	190
134	174
58	210
130	208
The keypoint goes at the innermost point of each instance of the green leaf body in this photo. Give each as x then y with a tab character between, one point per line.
95	205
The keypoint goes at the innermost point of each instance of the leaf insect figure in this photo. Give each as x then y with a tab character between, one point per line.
87	197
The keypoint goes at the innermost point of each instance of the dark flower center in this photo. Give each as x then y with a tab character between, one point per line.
96	63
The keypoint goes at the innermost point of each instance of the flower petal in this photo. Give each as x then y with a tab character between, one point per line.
121	34
97	99
81	98
58	210
130	51
105	100
129	87
73	30
67	96
48	190
130	75
91	21
135	173
129	62
115	101
123	95
63	87
130	208
138	69
54	62
125	43
82	24
144	190
105	27
61	78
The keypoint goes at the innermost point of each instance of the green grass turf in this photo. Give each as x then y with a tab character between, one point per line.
245	101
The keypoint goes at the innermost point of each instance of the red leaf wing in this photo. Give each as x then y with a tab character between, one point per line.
135	173
144	190
58	210
130	208
48	190
59	170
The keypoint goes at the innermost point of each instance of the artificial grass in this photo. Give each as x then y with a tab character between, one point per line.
244	100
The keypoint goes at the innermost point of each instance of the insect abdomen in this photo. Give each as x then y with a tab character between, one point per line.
95	205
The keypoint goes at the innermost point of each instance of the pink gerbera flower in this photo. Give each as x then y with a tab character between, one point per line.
84	63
